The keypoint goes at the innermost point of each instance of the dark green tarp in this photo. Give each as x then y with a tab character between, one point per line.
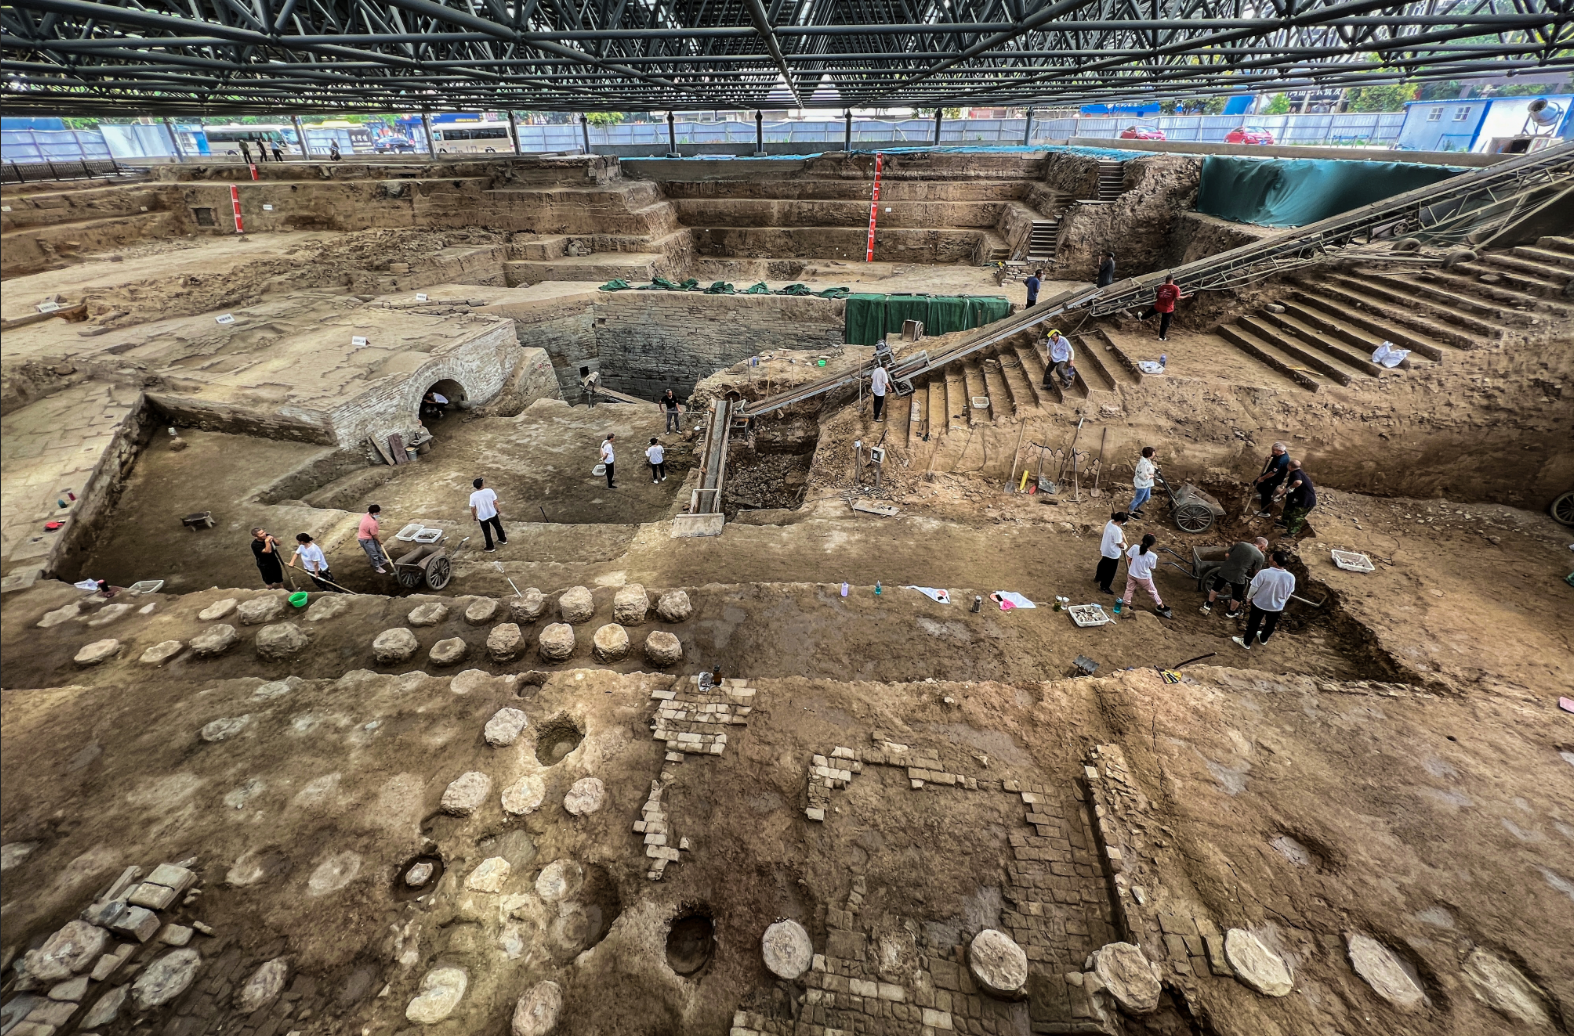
869	318
1293	192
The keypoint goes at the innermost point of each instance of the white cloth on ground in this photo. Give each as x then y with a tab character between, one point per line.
943	596
1011	599
1389	355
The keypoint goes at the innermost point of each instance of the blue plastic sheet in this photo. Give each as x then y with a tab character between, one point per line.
1292	192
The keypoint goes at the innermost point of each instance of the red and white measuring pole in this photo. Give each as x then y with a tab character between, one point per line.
240	228
874	206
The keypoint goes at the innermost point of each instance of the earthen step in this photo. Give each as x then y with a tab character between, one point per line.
1033	371
1119	366
1001	405
1331	346
1552	273
1409	289
1022	396
956	402
976	386
1553	243
1266	354
1341	312
935	419
1546	256
1090	365
1510	288
1359	343
916	405
1286	342
1402	316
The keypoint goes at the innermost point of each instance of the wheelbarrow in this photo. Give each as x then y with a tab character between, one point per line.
1192	509
427	562
1205	562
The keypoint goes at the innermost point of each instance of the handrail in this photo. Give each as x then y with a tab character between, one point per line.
1422	207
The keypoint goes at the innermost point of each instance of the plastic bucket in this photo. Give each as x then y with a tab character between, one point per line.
299	598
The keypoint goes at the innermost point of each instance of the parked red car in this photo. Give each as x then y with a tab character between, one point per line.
1242	135
1141	133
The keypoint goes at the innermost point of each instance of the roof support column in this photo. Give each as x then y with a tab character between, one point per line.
672	137
1027	131
513	131
426	127
939	116
174	139
584	130
300	136
759	132
847	130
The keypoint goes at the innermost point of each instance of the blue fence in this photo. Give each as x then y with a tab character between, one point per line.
31	146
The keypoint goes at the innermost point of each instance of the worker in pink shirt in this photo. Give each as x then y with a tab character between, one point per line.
370	541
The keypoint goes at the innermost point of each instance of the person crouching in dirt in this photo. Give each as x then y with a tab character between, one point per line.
1061	358
1300	497
1243	562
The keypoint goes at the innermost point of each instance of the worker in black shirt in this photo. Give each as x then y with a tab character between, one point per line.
1107	270
1300	496
1272	477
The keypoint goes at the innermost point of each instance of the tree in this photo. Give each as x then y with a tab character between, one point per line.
604	119
948	113
1279	105
1390	98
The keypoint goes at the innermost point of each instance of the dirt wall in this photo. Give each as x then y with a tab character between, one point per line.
1136	226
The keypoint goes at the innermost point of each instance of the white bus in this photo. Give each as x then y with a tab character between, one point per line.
225	140
471	137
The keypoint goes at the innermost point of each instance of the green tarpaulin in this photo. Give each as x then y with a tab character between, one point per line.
871	317
1273	192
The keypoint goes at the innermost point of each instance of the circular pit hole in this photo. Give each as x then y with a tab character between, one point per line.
690	943
418	875
556	739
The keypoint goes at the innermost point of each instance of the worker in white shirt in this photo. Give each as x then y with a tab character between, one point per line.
1142	482
658	461
879	384
1060	356
607	458
483	508
1141	562
1111	546
1270	592
314	561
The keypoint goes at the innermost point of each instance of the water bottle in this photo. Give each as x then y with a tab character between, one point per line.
1164	361
1117	606
844	589
978	603
172	433
877	588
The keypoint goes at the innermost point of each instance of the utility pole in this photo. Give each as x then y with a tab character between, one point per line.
174	139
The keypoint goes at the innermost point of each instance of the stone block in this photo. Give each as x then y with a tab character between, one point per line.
280	642
481	611
556	642
629	605
393	646
689	526
576	605
162	652
449	651
504	642
466	793
327	606
586	796
662	649
611	643
260	610
673	606
504	727
215	640
96	653
217	610
528	607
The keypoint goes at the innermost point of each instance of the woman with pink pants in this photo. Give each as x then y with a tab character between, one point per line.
1141	562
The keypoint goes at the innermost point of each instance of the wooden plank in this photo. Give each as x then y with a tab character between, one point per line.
381	451
396	444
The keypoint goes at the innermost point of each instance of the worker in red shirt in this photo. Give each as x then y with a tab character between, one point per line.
1164	300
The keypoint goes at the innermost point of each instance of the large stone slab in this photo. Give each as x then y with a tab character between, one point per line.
536	1012
394	646
449	651
441	991
70	950
629	605
524	795
215	640
97	653
556	643
998	964
166	978
466	793
505	641
224	729
327	606
481	611
264	984
1256	965
586	796
261	610
1505	989
217	610
576	605
610	644
505	727
429	614
490	875
1383	971
162	652
64	613
1128	975
281	641
787	949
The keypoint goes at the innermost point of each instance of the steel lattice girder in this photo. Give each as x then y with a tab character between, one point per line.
233	56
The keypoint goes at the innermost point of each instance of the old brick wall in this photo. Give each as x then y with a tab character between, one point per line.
650	341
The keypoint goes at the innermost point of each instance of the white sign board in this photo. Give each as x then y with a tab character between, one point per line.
420	296
48	307
357	341
225	319
267	208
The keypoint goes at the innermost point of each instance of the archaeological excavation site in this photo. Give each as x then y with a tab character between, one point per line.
1084	586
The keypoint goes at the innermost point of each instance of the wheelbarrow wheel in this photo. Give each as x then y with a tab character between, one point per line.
1193	517
1562	509
438	573
410	579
